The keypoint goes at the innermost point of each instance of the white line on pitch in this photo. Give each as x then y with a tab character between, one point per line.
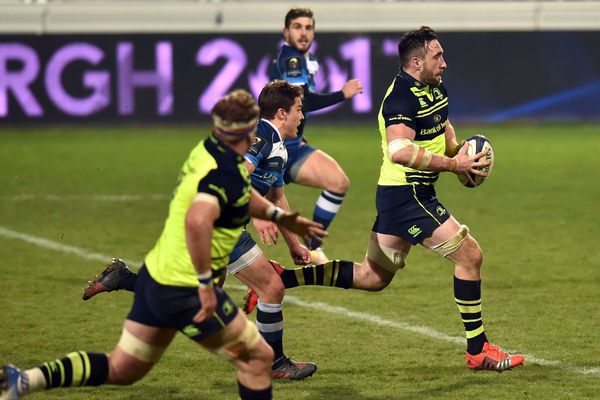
374	319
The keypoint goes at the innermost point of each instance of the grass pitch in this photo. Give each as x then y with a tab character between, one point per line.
70	197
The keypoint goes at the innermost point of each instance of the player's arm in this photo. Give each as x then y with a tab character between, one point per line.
452	145
257	152
300	254
402	150
316	101
199	222
249	166
264	209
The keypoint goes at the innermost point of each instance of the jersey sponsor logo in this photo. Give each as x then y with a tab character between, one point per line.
257	146
268	177
437	117
414	230
293	67
436	129
441	211
399	117
422	102
437	93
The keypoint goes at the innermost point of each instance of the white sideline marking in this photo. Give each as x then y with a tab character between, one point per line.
96	197
374	319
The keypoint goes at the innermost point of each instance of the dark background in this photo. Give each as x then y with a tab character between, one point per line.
491	76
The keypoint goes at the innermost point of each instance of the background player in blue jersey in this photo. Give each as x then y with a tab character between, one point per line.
308	165
418	142
175	292
281	113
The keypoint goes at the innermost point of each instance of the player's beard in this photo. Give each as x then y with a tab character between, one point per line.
297	44
431	79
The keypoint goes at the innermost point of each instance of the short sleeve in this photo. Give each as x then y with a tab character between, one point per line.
259	150
216	185
397	110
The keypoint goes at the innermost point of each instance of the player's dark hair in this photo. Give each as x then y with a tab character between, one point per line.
415	43
277	94
297	13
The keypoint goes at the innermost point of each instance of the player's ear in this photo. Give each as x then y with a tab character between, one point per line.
281	114
416	62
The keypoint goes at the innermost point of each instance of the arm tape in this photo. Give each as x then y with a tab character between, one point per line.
420	158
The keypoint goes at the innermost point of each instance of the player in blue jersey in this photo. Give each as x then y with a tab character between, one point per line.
418	142
175	290
307	165
281	113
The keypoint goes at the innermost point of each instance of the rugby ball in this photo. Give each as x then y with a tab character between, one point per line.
478	143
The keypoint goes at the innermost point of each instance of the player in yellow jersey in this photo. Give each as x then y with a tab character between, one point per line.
280	105
211	204
418	142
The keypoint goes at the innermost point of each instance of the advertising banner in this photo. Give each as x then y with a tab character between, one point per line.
177	78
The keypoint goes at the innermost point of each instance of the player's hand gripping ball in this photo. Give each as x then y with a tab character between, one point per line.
478	143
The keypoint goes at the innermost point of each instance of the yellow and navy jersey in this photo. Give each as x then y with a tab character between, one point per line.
215	169
422	108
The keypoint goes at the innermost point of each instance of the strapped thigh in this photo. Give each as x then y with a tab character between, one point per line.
451	245
388	258
246	341
139	349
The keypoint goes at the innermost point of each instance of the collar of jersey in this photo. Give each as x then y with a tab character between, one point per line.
308	55
272	126
218	149
412	80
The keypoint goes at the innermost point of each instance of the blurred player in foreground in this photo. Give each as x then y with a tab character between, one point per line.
212	202
307	165
418	143
281	112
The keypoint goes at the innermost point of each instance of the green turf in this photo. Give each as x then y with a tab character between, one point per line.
536	219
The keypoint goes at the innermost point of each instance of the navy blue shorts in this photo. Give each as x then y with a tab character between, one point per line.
164	306
296	157
411	212
243	245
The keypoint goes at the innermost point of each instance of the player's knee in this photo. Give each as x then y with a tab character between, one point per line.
260	363
371	277
469	255
376	284
341	183
265	354
123	373
250	348
274	291
474	253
